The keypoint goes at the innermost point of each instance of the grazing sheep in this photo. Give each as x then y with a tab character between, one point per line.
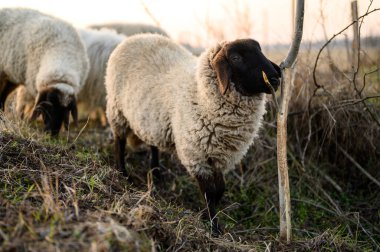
208	109
46	55
99	45
129	29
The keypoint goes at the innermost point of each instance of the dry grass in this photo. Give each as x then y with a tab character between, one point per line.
59	195
63	194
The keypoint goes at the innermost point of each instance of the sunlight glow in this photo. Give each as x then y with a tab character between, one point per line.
268	21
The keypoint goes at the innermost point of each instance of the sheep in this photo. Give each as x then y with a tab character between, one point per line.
99	45
193	49
46	55
207	109
129	29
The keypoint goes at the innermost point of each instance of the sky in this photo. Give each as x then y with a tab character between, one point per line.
194	21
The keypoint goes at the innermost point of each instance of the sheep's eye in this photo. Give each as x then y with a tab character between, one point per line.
236	58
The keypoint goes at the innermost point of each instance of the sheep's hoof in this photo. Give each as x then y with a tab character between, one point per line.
156	172
123	171
216	230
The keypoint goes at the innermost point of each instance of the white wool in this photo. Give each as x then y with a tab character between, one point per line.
170	99
129	29
38	50
64	88
99	45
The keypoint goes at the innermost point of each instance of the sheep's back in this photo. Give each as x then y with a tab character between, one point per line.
146	74
129	29
40	48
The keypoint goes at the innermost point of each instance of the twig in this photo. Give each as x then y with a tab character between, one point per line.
359	92
297	37
319	109
374	180
365	75
328	42
273	92
147	10
328	179
80	132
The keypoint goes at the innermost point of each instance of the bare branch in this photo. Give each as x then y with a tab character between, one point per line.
329	41
374	180
343	104
150	14
365	75
294	48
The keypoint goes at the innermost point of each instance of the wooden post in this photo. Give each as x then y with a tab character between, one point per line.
282	115
355	39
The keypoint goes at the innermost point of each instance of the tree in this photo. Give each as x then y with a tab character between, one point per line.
282	115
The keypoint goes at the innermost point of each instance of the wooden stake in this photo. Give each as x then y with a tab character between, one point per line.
355	40
282	115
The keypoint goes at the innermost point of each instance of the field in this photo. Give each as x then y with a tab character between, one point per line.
64	194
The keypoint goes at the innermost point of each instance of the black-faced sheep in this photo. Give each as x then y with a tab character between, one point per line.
208	109
46	55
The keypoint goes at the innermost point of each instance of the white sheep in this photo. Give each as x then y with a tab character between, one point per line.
208	109
129	29
46	55
99	45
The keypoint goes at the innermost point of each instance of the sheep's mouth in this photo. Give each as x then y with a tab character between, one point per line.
54	113
251	85
271	83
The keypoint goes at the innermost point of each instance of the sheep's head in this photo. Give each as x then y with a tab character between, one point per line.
55	107
242	63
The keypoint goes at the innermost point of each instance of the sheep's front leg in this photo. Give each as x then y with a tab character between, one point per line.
212	188
6	88
120	142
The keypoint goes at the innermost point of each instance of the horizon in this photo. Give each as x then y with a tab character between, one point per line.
192	22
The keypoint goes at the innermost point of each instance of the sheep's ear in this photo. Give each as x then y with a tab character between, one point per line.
71	108
36	113
222	69
277	68
66	120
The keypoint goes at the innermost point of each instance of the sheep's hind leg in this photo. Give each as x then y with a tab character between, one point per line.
212	188
120	142
154	162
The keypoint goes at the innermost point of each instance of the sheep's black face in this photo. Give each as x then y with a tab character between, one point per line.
51	105
242	62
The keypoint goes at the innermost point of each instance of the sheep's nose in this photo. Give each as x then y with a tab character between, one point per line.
275	82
